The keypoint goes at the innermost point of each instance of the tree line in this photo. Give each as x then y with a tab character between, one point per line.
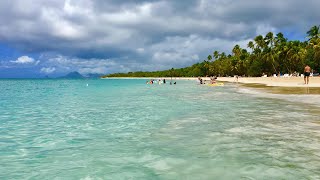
269	54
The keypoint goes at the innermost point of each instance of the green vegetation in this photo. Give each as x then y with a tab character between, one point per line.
267	54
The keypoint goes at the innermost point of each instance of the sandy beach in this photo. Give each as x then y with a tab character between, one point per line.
274	81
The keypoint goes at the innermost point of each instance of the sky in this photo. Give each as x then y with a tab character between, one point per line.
50	38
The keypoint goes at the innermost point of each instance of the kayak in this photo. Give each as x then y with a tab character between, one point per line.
216	84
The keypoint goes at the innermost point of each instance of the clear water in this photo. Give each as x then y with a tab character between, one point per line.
125	129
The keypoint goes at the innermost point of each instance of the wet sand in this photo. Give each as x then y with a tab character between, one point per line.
276	85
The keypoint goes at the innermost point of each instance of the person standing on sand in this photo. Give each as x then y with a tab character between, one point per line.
306	74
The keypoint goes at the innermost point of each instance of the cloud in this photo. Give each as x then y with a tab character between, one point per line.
110	36
65	64
25	60
186	50
97	70
47	70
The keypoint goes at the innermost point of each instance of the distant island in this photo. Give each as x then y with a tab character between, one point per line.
267	55
77	75
72	75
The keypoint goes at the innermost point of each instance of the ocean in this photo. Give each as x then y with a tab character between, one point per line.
126	129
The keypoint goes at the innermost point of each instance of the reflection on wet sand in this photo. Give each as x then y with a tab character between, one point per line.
284	90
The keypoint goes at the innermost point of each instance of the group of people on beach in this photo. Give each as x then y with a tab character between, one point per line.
159	81
212	80
306	75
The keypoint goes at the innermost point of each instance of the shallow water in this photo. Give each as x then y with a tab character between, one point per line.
125	129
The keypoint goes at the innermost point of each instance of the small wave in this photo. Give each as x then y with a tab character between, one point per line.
237	130
90	178
179	124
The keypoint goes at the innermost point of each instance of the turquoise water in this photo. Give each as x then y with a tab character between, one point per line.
125	129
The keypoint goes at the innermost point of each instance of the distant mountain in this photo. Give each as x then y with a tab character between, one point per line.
72	75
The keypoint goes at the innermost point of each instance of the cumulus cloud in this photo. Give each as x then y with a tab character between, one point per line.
182	51
65	64
47	70
25	60
136	34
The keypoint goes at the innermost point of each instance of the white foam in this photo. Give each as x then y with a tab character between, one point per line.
166	164
237	130
90	178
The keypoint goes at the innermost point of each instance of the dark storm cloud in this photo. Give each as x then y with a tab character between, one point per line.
131	33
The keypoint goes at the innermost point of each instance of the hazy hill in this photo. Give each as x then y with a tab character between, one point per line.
72	75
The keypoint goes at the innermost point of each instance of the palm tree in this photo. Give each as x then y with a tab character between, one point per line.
296	56
223	55
270	39
260	43
279	39
251	45
216	54
314	52
235	59
236	50
314	32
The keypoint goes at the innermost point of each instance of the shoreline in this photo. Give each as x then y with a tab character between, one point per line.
267	81
274	85
173	78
